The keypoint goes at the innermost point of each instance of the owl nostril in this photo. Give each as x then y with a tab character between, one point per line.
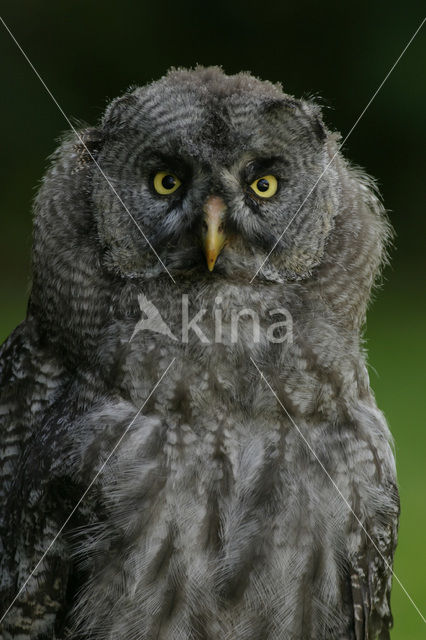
205	227
220	228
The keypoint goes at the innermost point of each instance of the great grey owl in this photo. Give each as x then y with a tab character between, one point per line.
251	493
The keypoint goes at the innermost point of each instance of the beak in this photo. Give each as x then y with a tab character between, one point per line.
213	235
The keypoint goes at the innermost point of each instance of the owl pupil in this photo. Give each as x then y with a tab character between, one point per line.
168	181
263	185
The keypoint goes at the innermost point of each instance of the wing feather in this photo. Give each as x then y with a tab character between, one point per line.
371	574
30	381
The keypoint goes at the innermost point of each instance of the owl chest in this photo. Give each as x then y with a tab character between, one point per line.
212	494
207	515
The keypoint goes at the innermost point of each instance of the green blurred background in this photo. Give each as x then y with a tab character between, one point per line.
89	52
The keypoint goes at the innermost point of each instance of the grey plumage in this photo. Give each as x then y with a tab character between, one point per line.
213	519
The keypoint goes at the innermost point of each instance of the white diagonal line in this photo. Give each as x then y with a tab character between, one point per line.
338	490
101	468
342	144
111	186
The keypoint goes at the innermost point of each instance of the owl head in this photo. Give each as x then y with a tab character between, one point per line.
201	175
212	168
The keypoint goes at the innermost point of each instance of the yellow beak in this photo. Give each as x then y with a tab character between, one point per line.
213	234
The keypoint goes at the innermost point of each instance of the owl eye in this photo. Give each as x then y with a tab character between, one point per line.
265	187
166	183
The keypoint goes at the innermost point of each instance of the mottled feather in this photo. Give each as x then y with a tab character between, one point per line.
215	519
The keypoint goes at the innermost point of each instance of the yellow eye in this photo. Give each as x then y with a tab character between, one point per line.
166	183
265	187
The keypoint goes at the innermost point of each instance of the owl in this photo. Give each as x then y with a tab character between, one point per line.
190	448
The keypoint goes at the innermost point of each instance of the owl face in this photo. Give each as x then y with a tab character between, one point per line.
212	169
